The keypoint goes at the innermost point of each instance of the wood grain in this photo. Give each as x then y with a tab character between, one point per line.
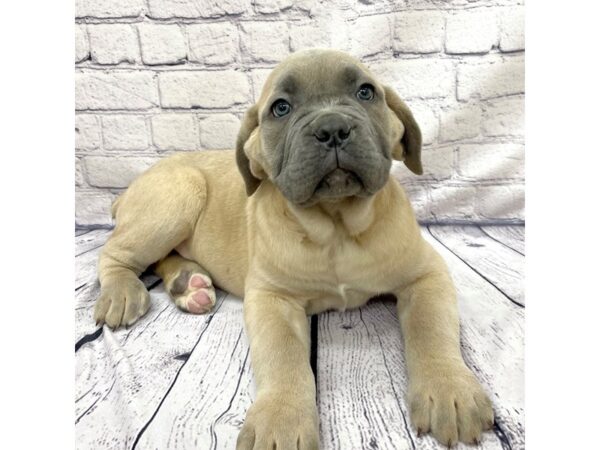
359	404
87	287
123	376
87	290
361	374
492	338
90	240
181	381
206	407
513	236
499	265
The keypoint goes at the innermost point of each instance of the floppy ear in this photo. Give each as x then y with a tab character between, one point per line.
409	147
249	124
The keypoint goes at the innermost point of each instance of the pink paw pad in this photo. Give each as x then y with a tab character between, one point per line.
199	302
193	292
199	281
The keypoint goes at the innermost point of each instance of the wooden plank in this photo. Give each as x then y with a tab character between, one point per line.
123	376
85	267
358	404
362	380
513	236
492	338
80	231
363	383
90	240
206	407
85	299
500	265
87	288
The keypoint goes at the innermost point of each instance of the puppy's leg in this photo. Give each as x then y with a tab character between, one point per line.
444	395
156	213
188	284
284	415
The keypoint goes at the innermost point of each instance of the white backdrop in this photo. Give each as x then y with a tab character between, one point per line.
158	76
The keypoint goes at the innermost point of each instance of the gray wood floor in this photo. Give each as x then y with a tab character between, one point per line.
180	381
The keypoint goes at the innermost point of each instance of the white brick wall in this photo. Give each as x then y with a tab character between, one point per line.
125	132
471	31
162	44
158	76
113	44
175	131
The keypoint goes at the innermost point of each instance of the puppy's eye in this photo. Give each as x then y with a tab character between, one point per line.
281	108
366	92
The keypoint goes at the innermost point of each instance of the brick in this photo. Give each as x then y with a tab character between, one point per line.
491	161
93	208
462	180
412	78
403	174
370	35
116	90
453	202
471	31
219	131
438	162
164	9
113	44
501	202
418	195
162	44
213	43
504	117
88	135
215	89
490	79
113	172
426	119
309	35
339	30
310	6
175	131
79	178
109	8
125	132
258	77
265	41
419	32
512	29
272	6
82	45
460	122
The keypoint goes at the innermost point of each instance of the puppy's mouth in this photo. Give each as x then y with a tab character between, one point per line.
338	183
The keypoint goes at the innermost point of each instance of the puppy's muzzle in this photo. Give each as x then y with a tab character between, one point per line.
332	130
339	178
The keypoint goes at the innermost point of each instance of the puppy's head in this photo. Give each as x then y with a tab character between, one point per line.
325	129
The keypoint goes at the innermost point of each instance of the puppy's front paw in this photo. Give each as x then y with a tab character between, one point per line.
123	300
277	422
448	401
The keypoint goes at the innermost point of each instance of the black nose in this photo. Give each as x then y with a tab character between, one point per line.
332	130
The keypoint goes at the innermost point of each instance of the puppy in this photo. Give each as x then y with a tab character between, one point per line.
314	222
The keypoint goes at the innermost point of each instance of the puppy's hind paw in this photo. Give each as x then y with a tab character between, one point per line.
193	292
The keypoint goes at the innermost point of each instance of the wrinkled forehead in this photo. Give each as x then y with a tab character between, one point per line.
314	78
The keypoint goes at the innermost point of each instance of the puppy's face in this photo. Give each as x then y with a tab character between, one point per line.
324	129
